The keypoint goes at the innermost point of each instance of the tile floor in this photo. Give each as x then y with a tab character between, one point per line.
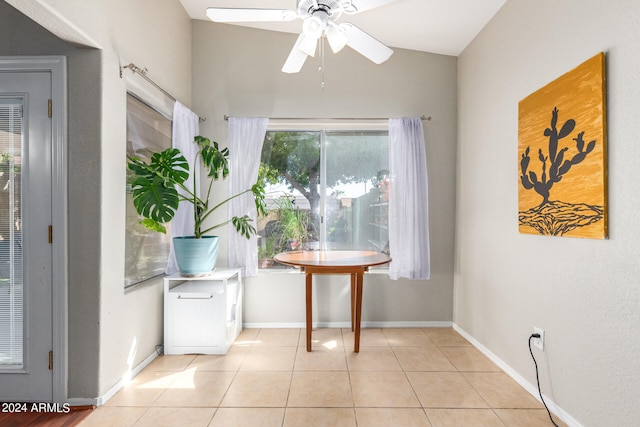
401	377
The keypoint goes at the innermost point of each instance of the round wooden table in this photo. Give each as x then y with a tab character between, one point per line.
354	263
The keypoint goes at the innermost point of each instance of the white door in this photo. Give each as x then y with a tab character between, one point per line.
25	248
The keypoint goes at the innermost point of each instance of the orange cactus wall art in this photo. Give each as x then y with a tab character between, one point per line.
562	155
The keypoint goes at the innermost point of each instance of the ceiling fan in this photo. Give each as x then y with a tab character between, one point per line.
319	18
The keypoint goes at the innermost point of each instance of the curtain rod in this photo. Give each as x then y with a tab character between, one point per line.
423	117
143	73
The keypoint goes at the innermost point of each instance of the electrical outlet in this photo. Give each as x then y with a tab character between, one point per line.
539	342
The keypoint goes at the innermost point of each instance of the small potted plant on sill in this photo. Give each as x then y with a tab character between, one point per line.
156	197
267	249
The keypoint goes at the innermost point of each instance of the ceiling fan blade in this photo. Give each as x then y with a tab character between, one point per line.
296	58
221	14
352	7
366	45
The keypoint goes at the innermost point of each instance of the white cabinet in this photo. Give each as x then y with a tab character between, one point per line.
202	314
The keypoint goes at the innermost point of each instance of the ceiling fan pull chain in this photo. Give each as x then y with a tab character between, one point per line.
321	68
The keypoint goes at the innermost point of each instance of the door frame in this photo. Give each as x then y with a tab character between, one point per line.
57	66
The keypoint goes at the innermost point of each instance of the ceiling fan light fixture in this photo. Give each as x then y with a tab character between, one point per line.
312	29
336	37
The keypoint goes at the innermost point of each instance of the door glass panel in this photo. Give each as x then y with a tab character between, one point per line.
11	272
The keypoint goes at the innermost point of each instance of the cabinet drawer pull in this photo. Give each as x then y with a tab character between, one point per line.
183	297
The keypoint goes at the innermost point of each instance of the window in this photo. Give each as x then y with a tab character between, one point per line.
146	252
326	189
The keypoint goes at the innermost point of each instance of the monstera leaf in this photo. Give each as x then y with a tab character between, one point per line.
214	159
242	225
154	225
155	198
171	165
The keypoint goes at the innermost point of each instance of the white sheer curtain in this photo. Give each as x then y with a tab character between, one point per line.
246	136
186	125
408	200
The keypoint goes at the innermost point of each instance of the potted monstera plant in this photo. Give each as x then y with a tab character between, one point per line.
159	187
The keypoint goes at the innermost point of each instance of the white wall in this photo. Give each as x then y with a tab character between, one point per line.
104	321
584	293
236	71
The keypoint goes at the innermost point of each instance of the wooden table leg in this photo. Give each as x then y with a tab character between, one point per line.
353	301
309	281
359	279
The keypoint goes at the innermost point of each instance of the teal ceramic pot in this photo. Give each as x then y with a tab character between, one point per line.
196	257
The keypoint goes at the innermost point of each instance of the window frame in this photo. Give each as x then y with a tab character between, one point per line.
324	126
127	283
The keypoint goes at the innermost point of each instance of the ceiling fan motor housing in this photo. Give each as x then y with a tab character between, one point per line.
327	10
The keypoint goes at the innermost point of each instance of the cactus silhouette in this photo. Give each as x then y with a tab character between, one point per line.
558	166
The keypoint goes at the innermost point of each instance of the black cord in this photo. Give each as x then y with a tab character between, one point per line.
538	379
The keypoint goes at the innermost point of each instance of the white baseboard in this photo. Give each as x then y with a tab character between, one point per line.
532	389
101	400
302	325
81	401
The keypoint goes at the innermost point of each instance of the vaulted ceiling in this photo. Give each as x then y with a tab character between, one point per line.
437	26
